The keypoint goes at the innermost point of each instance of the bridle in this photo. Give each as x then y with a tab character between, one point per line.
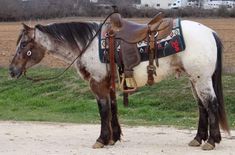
78	56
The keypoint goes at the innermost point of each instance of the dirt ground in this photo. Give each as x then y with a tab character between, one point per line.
9	33
33	138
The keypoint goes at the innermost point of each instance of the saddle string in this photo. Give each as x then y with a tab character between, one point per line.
79	55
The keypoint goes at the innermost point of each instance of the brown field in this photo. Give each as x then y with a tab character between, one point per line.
9	33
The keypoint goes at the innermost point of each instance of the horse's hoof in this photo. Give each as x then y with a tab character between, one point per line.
207	146
194	143
98	145
111	142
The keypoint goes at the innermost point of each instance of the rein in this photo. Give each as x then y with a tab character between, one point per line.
79	55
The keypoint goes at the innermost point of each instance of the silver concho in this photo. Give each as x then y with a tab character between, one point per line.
29	53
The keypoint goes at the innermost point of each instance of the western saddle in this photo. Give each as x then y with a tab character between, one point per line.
130	34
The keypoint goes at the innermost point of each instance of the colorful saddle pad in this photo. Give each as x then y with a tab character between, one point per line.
172	44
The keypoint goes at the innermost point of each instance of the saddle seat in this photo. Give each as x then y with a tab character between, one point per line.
132	32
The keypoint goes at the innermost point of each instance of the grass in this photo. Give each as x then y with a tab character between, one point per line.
68	99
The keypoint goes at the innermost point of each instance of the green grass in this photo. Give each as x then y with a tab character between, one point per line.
68	99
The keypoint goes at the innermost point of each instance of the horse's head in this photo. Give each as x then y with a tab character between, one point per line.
28	52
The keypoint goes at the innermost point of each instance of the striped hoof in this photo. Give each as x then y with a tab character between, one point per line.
111	142
98	145
194	143
207	147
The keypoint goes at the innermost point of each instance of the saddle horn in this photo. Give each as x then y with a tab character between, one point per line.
115	9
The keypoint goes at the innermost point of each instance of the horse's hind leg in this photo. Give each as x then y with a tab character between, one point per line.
202	131
207	95
101	91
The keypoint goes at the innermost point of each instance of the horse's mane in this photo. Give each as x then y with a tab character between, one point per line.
19	38
71	33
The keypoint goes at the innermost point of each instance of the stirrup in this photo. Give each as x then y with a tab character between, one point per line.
131	82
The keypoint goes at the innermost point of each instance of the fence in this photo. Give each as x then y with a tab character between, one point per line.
229	56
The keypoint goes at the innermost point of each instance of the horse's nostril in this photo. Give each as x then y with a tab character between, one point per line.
11	71
12	74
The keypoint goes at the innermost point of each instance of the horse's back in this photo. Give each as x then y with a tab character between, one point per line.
197	60
200	55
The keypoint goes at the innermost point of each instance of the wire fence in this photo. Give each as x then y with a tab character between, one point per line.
229	56
226	32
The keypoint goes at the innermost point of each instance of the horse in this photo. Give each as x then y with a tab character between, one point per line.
201	62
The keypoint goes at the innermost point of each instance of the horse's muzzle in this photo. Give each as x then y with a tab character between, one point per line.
14	72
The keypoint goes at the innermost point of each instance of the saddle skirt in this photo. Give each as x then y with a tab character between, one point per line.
136	53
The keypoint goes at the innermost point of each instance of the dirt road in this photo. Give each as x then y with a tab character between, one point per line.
33	138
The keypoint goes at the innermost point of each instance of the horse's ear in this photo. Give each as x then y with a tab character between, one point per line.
26	27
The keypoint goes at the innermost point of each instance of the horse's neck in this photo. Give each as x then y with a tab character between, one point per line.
57	49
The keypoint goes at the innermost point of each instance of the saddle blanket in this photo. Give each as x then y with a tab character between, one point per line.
172	44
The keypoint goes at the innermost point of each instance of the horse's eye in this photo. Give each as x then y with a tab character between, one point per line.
23	45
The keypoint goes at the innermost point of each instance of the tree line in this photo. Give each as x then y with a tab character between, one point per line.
16	10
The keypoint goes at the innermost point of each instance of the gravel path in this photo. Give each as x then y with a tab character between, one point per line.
35	138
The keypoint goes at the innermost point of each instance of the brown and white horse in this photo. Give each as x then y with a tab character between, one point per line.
201	61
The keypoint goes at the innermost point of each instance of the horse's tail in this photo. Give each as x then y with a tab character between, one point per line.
217	85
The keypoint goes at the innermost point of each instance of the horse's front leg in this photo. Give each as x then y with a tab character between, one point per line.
102	93
114	122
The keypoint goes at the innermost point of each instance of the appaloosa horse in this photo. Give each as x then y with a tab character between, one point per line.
201	61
